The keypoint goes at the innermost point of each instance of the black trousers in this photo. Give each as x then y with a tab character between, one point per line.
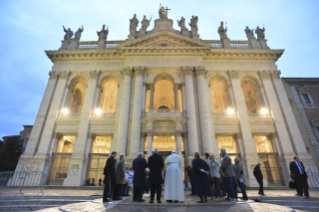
107	191
117	191
158	189
137	193
242	187
302	185
261	185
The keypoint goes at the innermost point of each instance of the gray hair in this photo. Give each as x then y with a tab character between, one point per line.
140	154
258	164
236	158
156	150
122	155
223	150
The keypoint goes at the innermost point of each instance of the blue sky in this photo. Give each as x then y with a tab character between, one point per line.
28	27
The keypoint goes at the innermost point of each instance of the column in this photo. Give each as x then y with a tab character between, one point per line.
179	143
249	153
46	140
285	143
207	144
290	117
137	112
191	113
124	111
152	97
175	97
77	171
149	144
41	116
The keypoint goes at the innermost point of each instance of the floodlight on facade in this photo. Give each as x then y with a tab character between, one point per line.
98	111
264	111
230	111
65	111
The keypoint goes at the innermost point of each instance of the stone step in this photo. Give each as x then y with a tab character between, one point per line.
26	208
293	203
22	197
40	202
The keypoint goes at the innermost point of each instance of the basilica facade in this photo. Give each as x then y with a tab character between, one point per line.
167	89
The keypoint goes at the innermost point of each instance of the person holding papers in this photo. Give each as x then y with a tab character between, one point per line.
200	180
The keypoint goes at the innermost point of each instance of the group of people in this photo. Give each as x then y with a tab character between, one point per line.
208	177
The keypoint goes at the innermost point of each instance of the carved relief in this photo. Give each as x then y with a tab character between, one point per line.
233	74
275	74
264	74
94	74
74	170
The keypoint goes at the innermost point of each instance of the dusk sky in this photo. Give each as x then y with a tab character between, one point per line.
28	28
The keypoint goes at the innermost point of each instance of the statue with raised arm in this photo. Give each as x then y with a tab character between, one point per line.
181	23
222	31
133	23
103	33
145	23
249	33
193	23
78	33
162	13
260	33
68	34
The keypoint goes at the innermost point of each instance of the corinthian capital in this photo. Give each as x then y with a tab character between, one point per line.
200	70
275	74
64	74
53	74
140	70
233	74
264	74
127	71
94	74
187	70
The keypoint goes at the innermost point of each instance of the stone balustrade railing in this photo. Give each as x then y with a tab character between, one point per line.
240	45
88	45
103	115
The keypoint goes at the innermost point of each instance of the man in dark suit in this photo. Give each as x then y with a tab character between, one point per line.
259	177
155	164
109	172
298	172
139	179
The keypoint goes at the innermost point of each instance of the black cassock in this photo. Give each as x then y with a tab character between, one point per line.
200	179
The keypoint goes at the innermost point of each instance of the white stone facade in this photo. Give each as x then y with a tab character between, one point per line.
244	77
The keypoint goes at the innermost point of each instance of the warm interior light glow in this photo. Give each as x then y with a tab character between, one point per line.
65	111
154	137
173	137
264	111
230	111
98	111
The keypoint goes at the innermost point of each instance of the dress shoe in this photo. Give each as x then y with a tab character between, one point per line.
117	199
243	198
169	201
200	201
159	201
175	201
151	201
141	200
299	195
307	196
107	200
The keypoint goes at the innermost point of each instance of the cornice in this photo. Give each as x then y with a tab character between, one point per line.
301	80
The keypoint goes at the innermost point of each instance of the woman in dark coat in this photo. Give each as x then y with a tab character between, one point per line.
199	178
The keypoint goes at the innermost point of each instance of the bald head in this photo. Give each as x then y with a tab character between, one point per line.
223	152
258	164
156	151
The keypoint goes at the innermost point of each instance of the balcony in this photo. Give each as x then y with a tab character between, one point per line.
260	119
103	119
68	119
224	119
164	115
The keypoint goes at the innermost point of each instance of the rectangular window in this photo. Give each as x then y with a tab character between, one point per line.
28	135
306	98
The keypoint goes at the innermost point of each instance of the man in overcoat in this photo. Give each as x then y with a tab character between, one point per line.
259	177
239	171
109	172
139	179
119	177
230	177
300	176
155	164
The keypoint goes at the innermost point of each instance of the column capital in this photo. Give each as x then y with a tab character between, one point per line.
53	75
187	70
140	70
127	71
233	74
265	75
200	71
64	74
94	74
275	74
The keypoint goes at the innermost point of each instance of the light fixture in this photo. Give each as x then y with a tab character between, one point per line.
230	111
264	111
65	111
98	111
154	137
173	137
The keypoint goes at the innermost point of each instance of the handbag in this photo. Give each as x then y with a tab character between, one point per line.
292	184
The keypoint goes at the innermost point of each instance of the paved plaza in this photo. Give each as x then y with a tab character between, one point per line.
54	200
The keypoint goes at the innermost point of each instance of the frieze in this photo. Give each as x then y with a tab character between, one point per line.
89	64
239	63
162	59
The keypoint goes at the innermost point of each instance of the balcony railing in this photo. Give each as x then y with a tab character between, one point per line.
103	115
239	44
88	45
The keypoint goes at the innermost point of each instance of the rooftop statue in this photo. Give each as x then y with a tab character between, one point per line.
133	23
193	23
162	13
145	23
103	33
78	33
181	23
68	34
222	31
260	33
249	33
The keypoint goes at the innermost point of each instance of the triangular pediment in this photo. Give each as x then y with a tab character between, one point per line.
163	39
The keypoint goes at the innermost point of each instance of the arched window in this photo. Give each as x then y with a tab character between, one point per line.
76	102
109	96
163	95
253	95
220	96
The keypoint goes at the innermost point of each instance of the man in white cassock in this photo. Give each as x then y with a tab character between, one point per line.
174	188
